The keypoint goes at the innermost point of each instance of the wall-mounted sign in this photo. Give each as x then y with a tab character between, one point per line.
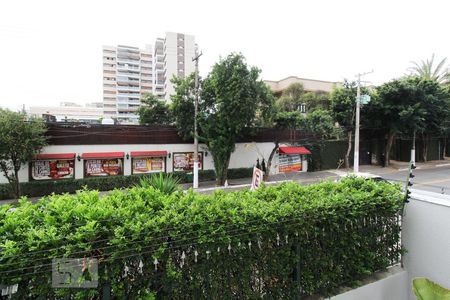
52	169
289	163
184	161
103	167
142	165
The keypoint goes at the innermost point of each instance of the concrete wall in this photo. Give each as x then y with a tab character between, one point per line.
392	286
426	237
244	156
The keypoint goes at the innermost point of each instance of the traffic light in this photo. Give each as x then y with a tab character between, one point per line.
410	176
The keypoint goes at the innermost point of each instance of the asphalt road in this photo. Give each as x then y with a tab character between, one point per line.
435	179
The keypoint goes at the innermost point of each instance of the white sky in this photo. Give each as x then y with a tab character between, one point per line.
51	51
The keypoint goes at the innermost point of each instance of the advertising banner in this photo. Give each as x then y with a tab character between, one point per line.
184	161
290	163
103	167
52	169
144	165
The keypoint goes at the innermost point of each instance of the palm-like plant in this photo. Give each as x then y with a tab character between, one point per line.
166	183
428	69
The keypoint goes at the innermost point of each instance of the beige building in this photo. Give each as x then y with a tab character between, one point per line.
310	85
68	111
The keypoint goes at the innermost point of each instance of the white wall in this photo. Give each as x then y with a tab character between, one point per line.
244	156
426	237
393	287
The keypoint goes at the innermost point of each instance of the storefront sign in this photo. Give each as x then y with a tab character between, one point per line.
185	161
103	167
290	163
52	169
142	165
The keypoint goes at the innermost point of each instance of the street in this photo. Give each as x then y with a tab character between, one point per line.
435	179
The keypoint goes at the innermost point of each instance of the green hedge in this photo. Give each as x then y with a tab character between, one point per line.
43	188
276	243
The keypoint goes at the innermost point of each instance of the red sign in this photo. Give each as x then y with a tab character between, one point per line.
103	167
52	169
185	161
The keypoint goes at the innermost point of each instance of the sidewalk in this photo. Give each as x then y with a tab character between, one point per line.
404	165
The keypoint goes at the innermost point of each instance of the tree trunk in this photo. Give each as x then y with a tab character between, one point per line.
269	162
390	141
16	184
222	172
444	149
349	149
425	147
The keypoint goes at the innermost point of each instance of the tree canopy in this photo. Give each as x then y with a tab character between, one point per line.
21	138
429	70
154	111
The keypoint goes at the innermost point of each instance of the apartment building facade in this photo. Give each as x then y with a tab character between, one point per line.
130	72
127	76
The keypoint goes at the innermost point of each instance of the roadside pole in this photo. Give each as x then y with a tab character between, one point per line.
358	108
195	180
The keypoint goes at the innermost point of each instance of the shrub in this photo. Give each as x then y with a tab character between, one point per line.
166	183
277	242
43	188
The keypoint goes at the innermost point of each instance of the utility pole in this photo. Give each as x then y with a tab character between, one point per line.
358	107
195	181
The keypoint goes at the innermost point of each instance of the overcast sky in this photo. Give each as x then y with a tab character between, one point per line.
51	51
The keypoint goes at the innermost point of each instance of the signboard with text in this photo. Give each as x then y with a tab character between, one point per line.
290	163
103	167
143	165
52	169
184	161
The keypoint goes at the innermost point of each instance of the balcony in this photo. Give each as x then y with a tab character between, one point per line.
128	61
128	88
124	95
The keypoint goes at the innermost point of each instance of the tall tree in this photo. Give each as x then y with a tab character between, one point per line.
429	69
182	107
232	98
154	111
343	105
20	140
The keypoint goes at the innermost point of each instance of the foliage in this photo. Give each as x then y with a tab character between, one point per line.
154	111
320	122
182	107
291	99
268	243
408	105
166	183
294	96
425	289
289	120
47	187
428	70
232	99
20	140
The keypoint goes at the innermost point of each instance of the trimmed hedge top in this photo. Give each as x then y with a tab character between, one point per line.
276	242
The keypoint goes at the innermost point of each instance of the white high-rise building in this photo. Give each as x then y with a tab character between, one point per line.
130	72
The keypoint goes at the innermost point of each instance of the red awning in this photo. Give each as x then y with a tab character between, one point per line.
148	153
55	156
294	150
97	155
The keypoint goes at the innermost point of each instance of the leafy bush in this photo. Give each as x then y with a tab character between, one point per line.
166	183
277	242
43	188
